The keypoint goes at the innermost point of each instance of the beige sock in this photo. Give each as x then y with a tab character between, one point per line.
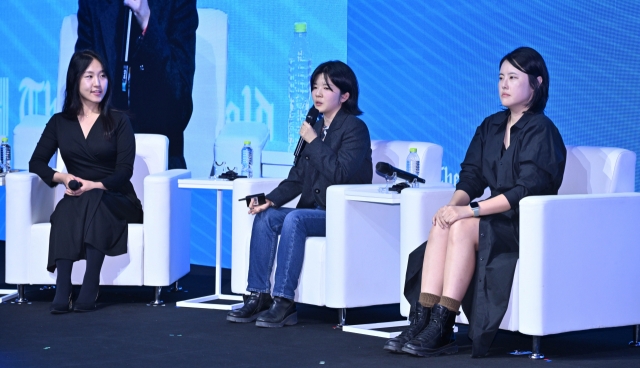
449	303
428	300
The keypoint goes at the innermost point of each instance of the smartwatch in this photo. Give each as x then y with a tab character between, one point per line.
475	207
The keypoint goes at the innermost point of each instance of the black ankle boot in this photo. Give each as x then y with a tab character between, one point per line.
282	312
419	317
255	304
56	308
437	338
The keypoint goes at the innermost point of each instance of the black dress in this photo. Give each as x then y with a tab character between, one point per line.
97	217
532	165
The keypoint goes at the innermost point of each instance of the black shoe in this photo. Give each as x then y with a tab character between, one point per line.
437	338
282	312
419	318
86	307
254	305
61	308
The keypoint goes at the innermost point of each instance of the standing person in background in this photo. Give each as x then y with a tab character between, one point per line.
161	61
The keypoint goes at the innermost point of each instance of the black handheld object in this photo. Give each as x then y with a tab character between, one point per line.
383	168
258	199
74	184
312	116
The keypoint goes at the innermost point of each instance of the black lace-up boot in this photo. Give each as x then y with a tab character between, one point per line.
282	312
437	338
254	305
419	317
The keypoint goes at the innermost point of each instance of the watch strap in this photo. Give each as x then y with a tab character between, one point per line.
475	208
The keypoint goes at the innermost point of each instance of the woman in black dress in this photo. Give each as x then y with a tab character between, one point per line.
472	249
98	148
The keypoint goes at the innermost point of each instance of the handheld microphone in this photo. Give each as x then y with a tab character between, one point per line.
259	199
383	168
312	116
75	185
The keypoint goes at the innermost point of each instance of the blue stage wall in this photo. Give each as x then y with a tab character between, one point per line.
428	70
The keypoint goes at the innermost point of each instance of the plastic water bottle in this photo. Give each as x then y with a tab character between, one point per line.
247	160
299	91
5	155
413	164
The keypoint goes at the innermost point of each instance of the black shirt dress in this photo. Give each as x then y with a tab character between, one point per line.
97	217
533	164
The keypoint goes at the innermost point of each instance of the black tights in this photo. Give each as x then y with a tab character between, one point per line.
90	284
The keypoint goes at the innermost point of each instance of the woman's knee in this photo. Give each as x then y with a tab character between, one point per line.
292	220
464	231
266	219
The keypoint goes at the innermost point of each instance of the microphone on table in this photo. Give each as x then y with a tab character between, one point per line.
383	168
74	184
312	116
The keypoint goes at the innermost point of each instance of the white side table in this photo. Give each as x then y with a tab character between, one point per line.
219	186
371	194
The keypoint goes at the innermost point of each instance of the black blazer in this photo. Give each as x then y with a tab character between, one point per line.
344	157
162	62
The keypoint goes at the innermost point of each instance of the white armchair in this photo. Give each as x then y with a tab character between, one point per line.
576	248
158	249
357	263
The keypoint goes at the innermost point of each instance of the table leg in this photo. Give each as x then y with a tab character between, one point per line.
219	243
201	302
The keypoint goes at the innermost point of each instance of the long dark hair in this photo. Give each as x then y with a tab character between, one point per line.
342	77
72	107
530	62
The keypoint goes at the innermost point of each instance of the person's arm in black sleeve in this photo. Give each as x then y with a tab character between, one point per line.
85	28
290	187
171	52
126	155
45	149
472	181
339	168
541	162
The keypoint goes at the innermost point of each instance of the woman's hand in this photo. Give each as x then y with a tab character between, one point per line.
85	187
141	10
307	133
447	215
255	209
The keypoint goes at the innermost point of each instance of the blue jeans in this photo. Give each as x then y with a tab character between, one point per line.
294	226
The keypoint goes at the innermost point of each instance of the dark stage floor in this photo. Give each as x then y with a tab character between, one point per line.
124	332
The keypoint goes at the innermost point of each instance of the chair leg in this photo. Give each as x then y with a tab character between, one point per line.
20	299
175	288
342	317
157	301
636	336
535	350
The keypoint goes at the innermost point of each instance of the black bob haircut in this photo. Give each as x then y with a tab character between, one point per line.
342	77
72	106
530	62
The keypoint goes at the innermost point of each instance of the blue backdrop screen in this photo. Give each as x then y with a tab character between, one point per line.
428	70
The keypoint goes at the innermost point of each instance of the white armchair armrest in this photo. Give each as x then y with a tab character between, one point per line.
29	201
167	225
363	250
575	252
